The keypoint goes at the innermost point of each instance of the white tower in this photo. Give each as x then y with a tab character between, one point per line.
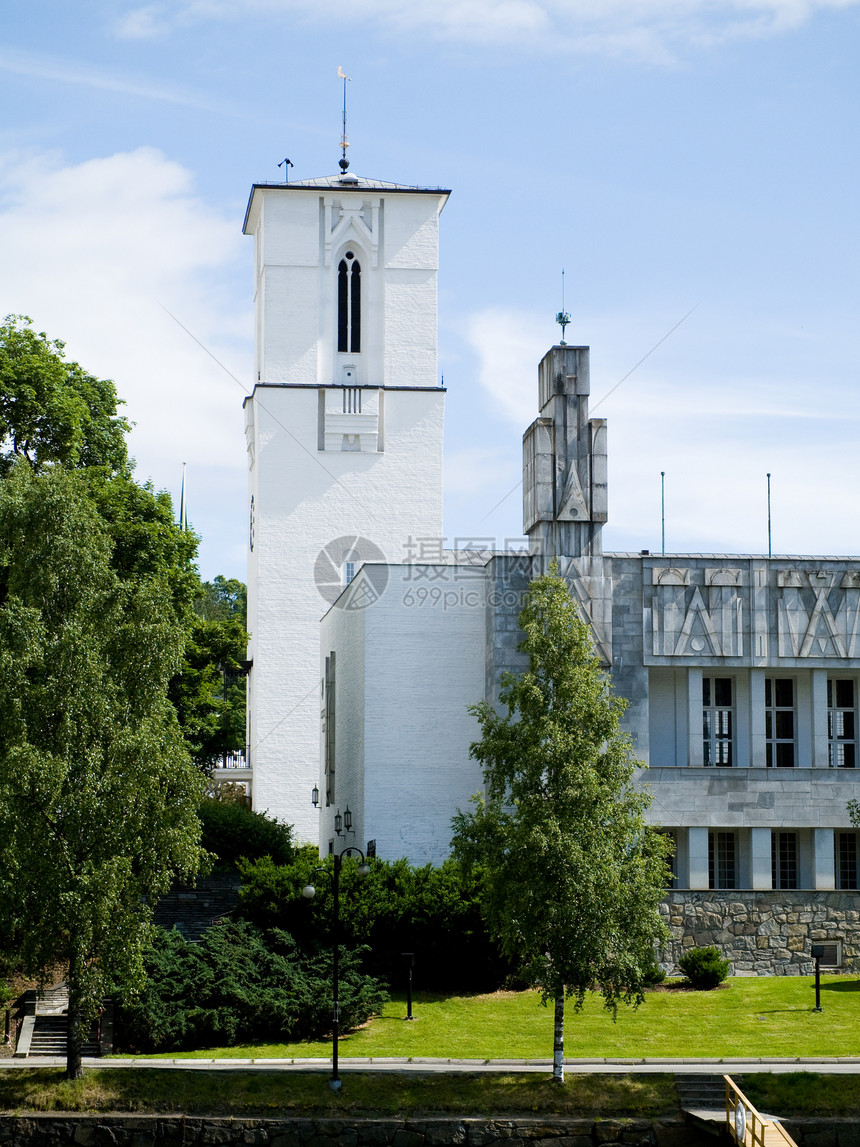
344	432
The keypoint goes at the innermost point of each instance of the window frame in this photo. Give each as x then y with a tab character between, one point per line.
776	742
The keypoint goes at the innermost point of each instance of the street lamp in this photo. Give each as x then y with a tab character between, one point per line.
309	892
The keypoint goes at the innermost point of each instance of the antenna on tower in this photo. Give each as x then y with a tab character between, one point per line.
344	142
562	318
286	164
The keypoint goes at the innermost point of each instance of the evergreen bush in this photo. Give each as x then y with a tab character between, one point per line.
434	912
241	984
705	968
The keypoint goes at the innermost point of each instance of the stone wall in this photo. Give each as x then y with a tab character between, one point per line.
763	933
181	1131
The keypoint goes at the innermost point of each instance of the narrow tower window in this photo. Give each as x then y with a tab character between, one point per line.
349	305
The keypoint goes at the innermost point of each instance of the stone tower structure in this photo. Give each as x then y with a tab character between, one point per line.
344	435
564	486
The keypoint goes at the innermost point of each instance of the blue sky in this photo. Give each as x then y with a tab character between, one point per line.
678	158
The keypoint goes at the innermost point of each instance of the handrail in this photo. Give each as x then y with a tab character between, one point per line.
747	1127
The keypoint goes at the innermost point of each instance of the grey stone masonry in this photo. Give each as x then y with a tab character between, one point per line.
173	1131
763	933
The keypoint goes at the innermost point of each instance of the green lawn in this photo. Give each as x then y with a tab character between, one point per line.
759	1016
296	1093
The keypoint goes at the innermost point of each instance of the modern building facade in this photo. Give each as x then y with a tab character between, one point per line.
741	672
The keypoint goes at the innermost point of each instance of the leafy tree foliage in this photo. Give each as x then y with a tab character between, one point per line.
52	412
209	691
97	793
209	694
223	599
231	831
572	876
396	908
239	983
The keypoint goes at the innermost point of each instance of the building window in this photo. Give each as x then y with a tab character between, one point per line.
351	400
672	858
349	305
329	717
779	722
717	721
348	572
841	723
846	859
722	860
783	859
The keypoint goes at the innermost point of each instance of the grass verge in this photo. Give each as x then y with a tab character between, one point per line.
802	1093
761	1016
273	1093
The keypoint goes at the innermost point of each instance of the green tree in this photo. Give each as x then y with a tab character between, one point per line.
97	792
572	875
52	411
209	690
223	599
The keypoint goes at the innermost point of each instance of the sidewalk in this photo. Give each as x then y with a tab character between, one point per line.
829	1065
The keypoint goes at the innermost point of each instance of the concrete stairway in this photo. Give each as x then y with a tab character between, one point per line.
703	1100
48	1036
192	910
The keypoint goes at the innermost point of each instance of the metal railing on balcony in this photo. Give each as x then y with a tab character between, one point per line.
235	760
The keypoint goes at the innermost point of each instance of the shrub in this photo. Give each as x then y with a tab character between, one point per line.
240	984
704	967
433	912
653	975
231	831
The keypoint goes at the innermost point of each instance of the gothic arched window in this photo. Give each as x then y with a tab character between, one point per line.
349	304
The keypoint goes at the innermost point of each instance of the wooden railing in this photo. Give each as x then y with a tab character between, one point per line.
746	1126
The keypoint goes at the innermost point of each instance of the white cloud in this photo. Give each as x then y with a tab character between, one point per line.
94	253
714	428
70	71
652	29
509	345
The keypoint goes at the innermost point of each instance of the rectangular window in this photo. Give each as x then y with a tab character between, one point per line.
329	718
672	859
718	721
783	859
722	860
779	722
841	723
348	572
846	860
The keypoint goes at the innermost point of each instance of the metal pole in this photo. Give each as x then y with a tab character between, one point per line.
410	956
663	508
334	1083
769	554
817	985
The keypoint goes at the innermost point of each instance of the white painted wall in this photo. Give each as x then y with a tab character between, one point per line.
305	497
403	730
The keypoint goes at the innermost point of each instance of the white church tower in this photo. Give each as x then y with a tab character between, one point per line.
344	434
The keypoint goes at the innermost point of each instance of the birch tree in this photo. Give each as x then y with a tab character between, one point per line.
98	796
573	875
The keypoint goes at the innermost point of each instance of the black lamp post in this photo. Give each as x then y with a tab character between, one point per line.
309	892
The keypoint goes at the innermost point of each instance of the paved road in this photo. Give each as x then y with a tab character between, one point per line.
833	1065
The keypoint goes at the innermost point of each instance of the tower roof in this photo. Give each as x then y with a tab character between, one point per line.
342	182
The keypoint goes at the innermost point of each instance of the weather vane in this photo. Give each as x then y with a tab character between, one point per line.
344	142
562	318
286	164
